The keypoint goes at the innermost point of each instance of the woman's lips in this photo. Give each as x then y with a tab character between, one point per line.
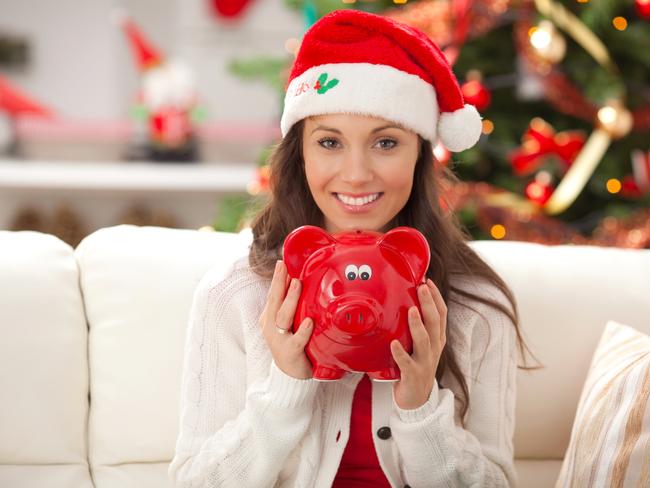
358	208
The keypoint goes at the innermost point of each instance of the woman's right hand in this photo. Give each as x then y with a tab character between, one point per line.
288	350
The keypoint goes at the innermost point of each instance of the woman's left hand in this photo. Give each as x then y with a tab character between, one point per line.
418	370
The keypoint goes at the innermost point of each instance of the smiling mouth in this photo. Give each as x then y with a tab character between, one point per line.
359	201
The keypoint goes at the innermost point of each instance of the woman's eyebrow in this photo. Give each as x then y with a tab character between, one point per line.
376	129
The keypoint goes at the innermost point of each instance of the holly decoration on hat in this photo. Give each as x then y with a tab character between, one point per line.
322	85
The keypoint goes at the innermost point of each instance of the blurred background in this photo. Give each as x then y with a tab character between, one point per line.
164	112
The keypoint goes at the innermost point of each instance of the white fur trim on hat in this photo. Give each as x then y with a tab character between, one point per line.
363	88
461	129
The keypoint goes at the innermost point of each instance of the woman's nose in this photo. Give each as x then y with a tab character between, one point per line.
356	168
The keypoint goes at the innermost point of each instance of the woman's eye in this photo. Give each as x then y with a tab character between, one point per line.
327	140
391	141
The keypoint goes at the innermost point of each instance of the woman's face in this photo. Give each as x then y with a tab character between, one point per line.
359	169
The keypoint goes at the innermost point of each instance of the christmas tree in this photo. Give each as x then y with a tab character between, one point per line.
564	91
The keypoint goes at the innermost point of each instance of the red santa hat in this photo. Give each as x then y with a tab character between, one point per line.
146	55
357	62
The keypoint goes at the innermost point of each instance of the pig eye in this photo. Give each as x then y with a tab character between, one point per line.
365	272
351	272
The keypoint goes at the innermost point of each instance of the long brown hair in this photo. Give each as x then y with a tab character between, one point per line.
291	205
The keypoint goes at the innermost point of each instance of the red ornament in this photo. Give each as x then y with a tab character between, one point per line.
357	287
643	8
538	192
476	94
539	141
229	9
638	183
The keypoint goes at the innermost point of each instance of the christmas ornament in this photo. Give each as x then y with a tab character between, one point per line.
357	287
637	184
229	9
642	8
168	97
540	141
548	42
475	92
261	182
539	190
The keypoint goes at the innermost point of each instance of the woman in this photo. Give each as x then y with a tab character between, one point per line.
366	98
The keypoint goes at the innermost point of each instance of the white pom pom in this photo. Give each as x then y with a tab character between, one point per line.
461	129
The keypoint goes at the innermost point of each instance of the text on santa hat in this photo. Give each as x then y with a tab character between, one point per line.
321	86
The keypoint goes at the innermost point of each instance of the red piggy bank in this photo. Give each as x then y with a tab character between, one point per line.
357	287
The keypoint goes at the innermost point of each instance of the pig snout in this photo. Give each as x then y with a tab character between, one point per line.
355	315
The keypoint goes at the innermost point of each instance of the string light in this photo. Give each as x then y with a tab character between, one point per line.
498	231
620	23
613	185
488	126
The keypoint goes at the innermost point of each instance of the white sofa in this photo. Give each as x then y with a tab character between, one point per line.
91	347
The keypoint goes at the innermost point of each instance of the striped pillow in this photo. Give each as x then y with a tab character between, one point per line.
610	439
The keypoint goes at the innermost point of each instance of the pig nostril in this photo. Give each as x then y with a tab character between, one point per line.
360	318
347	317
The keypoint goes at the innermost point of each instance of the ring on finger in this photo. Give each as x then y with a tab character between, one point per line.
281	330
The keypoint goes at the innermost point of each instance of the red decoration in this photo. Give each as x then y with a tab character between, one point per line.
357	287
475	93
643	8
538	192
229	9
637	184
540	140
15	103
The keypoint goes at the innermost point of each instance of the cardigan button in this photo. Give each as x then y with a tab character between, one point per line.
384	433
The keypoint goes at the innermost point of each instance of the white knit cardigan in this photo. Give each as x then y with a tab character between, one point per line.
244	423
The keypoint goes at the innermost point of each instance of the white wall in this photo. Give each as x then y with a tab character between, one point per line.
82	66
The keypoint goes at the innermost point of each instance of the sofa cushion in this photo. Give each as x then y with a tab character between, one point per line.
44	373
611	432
138	284
565	294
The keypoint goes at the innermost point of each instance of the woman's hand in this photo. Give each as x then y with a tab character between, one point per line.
288	350
418	371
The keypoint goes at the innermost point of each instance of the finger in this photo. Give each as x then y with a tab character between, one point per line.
401	357
419	334
301	338
431	317
441	306
278	286
284	317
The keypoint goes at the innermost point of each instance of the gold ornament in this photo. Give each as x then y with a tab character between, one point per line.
548	42
614	118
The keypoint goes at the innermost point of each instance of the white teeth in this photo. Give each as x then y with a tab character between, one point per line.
357	201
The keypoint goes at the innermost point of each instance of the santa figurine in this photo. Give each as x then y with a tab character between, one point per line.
167	98
13	105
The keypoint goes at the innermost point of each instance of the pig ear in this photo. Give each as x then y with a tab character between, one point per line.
301	243
411	244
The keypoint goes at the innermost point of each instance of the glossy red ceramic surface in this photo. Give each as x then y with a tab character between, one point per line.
357	287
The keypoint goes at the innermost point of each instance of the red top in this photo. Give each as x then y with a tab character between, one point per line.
359	466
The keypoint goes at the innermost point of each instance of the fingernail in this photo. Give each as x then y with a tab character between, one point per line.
294	284
277	265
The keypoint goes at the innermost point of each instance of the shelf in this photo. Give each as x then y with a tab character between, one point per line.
126	176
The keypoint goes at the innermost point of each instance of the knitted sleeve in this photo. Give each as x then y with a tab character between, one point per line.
435	449
241	416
